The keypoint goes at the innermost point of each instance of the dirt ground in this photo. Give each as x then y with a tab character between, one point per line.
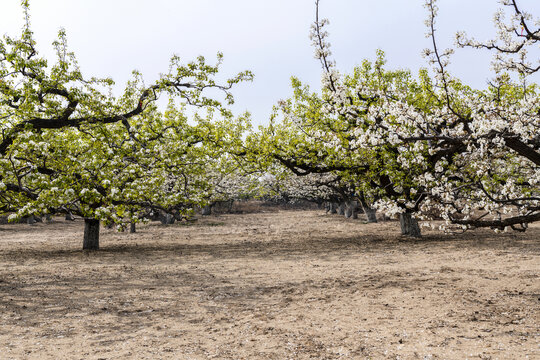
273	285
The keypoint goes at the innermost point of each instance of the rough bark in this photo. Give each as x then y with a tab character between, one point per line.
132	227
341	209
91	234
409	225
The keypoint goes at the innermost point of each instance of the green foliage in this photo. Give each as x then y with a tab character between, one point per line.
67	144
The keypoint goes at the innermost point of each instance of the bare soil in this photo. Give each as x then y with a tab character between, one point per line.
273	285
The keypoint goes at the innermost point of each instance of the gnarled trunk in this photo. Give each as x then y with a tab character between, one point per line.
409	225
91	234
132	227
371	213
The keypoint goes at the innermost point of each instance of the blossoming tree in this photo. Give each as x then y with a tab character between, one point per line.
420	147
68	144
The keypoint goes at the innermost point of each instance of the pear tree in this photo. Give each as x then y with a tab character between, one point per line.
67	144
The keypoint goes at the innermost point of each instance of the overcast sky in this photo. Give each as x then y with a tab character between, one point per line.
270	38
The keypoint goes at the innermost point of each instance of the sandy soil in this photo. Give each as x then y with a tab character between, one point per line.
279	285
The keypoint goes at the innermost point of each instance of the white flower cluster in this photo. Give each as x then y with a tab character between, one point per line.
430	146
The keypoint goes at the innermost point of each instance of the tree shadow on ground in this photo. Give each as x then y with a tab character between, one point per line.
287	246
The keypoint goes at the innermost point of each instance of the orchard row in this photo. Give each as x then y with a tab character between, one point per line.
419	146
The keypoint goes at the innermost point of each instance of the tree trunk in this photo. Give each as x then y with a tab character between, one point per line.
166	219
371	215
91	234
30	220
132	227
351	211
341	209
333	208
354	209
70	217
207	210
163	218
409	225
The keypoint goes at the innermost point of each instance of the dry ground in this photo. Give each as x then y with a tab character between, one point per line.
277	285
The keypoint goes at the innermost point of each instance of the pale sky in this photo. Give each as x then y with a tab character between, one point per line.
270	38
